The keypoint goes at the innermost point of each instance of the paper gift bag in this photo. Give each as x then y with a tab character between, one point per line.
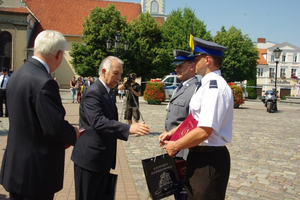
161	176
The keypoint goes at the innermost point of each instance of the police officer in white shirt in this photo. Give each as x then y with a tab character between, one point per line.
208	161
3	81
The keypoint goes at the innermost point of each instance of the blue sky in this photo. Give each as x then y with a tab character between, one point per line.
276	20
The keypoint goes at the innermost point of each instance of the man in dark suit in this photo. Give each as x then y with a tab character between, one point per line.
33	162
95	151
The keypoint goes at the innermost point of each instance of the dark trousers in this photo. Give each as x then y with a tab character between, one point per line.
14	196
207	174
89	185
3	101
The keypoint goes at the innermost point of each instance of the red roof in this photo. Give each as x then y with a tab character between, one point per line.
262	60
67	16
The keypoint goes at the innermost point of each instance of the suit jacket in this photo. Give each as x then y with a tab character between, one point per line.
178	108
33	162
95	150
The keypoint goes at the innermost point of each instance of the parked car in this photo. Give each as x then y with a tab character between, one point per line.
171	82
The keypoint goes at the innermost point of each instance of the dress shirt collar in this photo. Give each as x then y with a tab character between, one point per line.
107	88
41	61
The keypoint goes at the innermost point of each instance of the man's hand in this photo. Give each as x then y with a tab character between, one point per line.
139	128
165	136
170	148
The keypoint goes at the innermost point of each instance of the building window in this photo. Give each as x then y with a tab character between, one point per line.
295	58
154	7
5	50
282	73
272	58
294	73
283	57
272	73
260	72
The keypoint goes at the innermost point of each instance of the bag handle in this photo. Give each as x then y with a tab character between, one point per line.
155	152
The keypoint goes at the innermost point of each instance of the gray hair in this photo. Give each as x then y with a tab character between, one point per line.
49	42
106	63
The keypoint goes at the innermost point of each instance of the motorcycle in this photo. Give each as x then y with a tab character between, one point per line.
270	101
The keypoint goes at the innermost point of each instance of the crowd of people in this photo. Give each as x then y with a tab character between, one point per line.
33	169
77	86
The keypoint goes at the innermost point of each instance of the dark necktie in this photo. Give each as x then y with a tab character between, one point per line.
2	82
179	86
199	85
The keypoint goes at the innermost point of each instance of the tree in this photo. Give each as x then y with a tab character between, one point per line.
251	90
101	25
145	53
240	58
176	33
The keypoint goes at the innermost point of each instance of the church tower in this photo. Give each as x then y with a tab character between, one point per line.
155	7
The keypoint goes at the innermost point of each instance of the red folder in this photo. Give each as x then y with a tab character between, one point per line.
186	126
81	131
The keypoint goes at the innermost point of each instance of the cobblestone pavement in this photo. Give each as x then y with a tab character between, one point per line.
265	156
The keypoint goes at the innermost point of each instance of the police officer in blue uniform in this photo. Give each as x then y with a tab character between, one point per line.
178	107
208	161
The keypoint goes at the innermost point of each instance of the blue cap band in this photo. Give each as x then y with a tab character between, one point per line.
207	51
184	58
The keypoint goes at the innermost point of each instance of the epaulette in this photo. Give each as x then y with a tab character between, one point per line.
213	84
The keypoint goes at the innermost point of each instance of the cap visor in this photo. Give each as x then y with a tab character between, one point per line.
178	62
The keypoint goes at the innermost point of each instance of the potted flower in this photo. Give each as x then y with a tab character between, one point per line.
237	95
154	92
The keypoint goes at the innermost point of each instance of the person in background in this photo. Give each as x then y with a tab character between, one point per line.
95	151
132	91
208	161
121	93
73	84
34	158
3	81
79	87
88	83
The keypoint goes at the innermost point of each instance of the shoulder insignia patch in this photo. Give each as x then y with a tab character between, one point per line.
213	84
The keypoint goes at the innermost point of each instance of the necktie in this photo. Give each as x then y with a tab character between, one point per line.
199	85
179	86
2	82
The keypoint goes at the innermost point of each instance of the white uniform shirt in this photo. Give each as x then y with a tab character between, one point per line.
212	106
5	81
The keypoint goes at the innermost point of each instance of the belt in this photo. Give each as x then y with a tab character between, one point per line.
202	149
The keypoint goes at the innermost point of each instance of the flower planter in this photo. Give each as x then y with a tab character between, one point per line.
154	93
236	105
153	102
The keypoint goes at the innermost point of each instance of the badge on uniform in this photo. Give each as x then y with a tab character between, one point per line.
213	84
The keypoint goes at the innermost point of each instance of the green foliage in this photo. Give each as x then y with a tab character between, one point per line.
240	58
154	91
176	33
251	91
101	25
145	55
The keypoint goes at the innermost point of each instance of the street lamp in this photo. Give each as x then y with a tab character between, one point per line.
277	53
117	48
117	44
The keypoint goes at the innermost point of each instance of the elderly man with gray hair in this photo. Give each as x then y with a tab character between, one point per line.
33	162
